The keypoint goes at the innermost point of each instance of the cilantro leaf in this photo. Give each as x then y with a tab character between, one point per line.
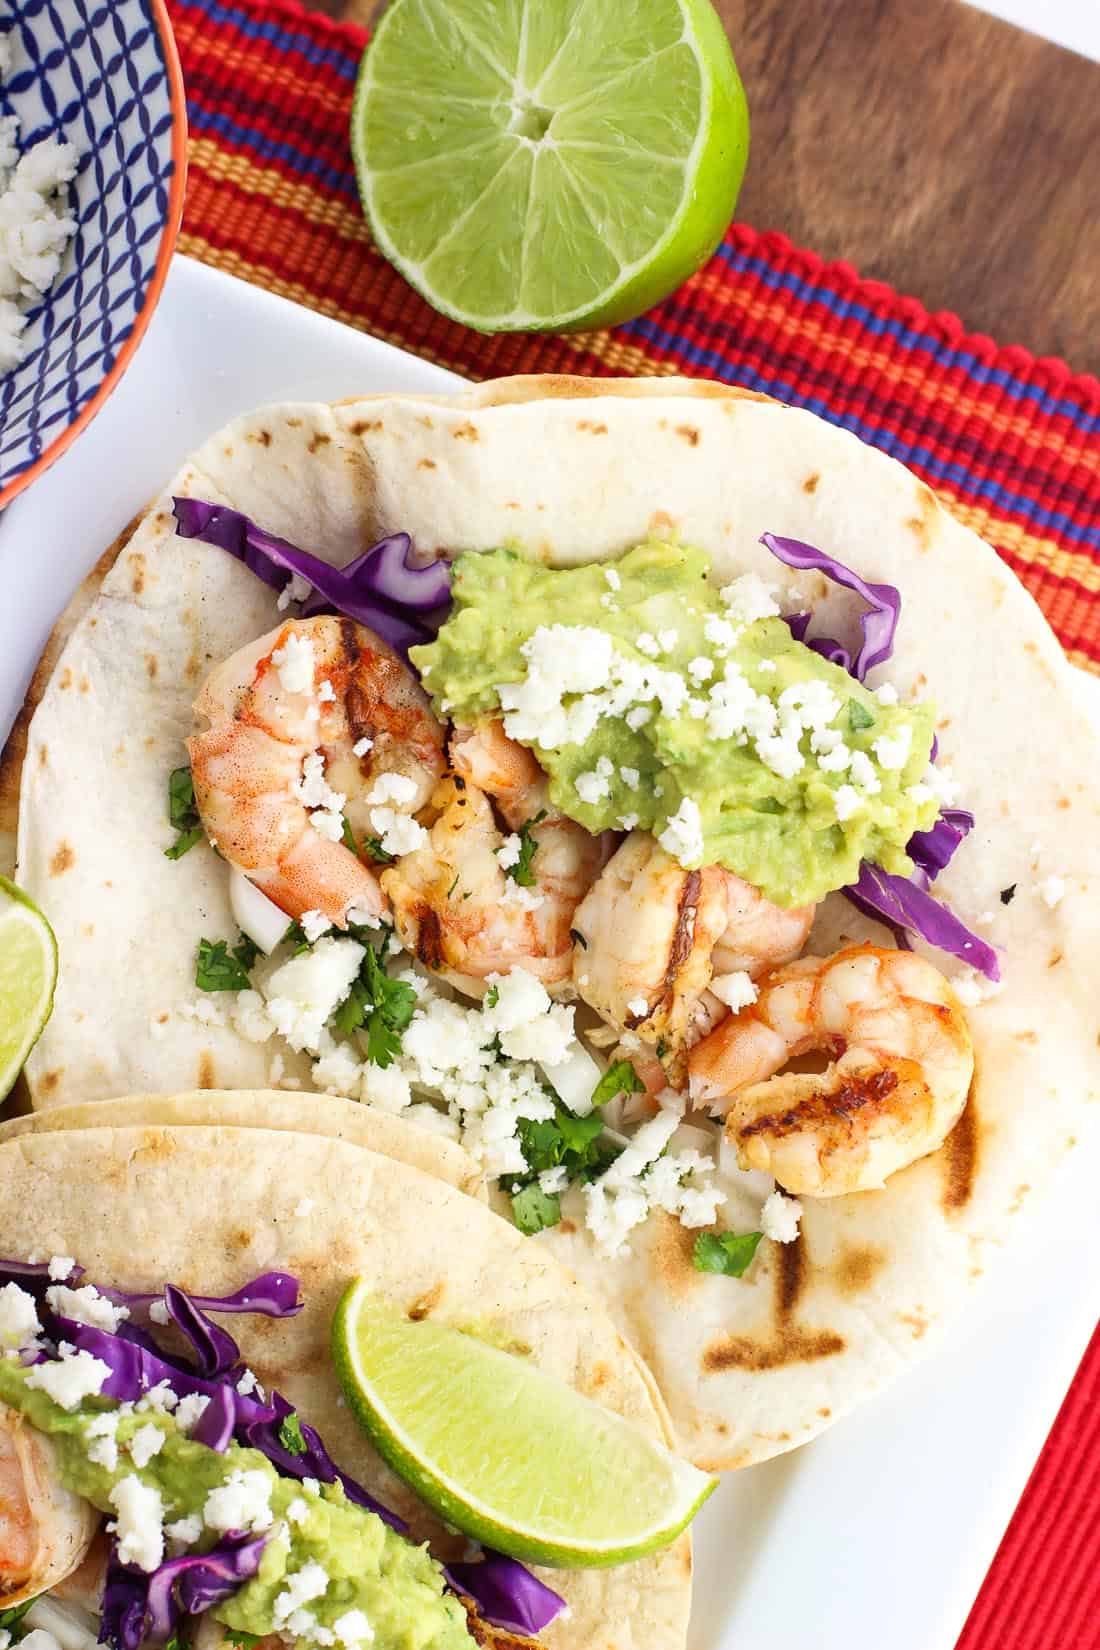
533	1209
349	836
380	1004
246	951
290	1435
217	970
727	1252
522	871
184	841
182	812
492	997
578	1133
242	1640
375	850
621	1078
10	1619
295	936
859	717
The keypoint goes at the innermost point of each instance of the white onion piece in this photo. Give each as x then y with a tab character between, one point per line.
256	915
574	1079
72	1627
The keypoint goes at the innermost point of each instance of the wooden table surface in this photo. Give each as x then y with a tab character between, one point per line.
933	147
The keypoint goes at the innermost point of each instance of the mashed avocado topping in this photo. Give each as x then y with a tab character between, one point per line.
654	699
325	1558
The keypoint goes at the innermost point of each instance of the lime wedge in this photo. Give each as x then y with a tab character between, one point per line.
547	165
28	974
503	1452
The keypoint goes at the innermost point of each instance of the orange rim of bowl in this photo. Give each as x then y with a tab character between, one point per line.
168	238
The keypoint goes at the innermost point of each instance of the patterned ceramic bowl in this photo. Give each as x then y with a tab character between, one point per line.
103	75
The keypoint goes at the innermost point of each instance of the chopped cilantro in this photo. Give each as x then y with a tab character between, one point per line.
727	1252
1008	894
859	717
375	850
218	969
295	936
578	938
454	884
349	836
662	1048
492	997
533	1209
290	1435
242	1640
10	1619
382	1005
246	951
522	871
562	1141
621	1078
182	812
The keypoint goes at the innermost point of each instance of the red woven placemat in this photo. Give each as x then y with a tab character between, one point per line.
1012	443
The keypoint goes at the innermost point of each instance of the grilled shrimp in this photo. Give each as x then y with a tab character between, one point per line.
45	1530
457	910
486	757
652	936
900	1071
354	716
645	934
759	935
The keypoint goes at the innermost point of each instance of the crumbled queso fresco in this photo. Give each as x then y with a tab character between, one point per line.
35	224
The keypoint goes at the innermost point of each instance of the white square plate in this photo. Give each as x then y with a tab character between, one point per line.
880	1532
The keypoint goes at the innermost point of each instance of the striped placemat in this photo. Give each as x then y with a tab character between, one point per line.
1011	442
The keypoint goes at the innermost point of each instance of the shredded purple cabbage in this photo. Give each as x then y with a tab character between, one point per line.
381	588
125	1605
903	904
878	622
135	1371
506	1594
34	1278
139	1607
216	1425
314	1461
216	1352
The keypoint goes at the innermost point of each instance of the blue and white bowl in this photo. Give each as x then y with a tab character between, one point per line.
104	76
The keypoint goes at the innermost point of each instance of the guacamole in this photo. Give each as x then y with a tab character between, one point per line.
653	699
368	1566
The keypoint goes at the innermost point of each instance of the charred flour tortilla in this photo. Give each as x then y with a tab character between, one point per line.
124	1199
575	470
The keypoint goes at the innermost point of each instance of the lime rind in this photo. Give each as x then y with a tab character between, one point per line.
493	273
28	978
682	1488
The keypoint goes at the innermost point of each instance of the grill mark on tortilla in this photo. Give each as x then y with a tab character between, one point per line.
960	1158
810	483
921	524
689	434
856	1093
856	1268
426	464
426	1303
466	432
319	440
151	666
63	859
206	1079
789	1278
791	1346
362	425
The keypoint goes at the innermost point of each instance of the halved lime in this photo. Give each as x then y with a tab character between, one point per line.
547	165
28	974
502	1451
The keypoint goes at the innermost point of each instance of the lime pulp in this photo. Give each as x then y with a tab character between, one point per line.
548	165
28	974
501	1450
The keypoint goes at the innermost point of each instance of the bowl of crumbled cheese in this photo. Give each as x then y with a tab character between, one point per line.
93	135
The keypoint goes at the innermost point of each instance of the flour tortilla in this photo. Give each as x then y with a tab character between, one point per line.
574	470
211	1206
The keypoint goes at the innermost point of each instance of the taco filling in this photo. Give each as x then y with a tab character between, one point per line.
545	881
220	1500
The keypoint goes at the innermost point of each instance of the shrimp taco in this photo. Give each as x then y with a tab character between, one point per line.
644	785
177	1459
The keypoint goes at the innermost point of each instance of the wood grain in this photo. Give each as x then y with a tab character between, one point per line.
936	148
